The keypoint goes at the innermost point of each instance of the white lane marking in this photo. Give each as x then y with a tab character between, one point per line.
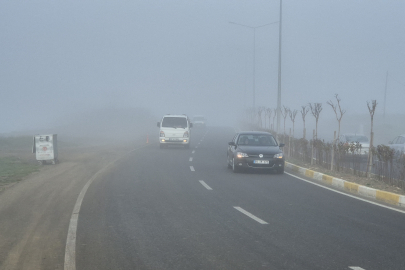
356	268
250	215
205	185
352	196
193	152
191	159
192	168
70	249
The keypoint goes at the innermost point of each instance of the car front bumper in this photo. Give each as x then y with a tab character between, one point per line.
177	140
248	163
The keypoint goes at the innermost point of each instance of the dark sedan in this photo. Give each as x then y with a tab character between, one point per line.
255	150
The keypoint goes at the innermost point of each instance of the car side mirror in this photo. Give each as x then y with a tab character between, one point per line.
282	144
158	124
232	143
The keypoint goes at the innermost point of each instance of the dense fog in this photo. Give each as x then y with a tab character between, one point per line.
109	67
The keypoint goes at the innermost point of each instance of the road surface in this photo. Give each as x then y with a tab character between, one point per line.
182	208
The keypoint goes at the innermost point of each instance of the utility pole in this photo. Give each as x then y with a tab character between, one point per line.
385	92
279	72
254	67
254	55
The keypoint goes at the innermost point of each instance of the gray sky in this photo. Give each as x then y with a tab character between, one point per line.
59	58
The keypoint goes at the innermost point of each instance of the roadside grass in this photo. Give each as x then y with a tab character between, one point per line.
9	144
13	169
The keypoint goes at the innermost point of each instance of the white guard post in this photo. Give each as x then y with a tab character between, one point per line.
46	148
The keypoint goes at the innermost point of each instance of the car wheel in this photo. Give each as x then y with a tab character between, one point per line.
235	169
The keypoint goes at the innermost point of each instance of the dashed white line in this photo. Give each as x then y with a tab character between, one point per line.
193	152
192	168
205	185
356	268
250	215
191	159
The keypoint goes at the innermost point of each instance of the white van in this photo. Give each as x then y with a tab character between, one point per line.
174	130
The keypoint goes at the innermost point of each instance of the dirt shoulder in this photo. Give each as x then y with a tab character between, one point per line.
36	211
349	176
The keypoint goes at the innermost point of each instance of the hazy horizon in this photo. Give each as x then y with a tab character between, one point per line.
60	59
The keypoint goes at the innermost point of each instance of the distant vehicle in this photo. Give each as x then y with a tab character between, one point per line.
174	130
354	138
255	150
199	121
398	144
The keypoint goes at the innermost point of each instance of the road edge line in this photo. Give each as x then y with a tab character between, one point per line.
70	248
379	195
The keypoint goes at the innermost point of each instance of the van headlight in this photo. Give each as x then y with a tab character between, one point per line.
241	155
279	155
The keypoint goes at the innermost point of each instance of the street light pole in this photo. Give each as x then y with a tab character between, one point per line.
279	73
254	67
385	92
254	55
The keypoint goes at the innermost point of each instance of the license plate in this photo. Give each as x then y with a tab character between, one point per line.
260	161
174	139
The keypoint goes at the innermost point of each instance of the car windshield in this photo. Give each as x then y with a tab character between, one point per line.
356	138
256	140
174	122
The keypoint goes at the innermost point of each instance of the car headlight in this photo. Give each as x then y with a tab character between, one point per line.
241	155
162	134
279	155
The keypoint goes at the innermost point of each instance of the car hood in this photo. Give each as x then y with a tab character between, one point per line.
255	150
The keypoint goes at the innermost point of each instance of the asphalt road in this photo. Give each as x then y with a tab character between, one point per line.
154	211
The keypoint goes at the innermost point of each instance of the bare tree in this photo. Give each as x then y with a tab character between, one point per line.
292	117
316	109
371	108
259	114
304	111
284	113
269	113
274	115
338	111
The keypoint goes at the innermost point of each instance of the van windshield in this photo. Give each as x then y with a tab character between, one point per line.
174	122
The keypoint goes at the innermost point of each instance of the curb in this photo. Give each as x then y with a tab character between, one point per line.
379	195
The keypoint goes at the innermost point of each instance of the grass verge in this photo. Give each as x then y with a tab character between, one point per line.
13	169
